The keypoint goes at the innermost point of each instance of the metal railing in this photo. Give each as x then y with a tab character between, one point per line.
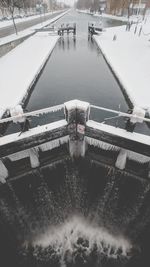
121	114
56	108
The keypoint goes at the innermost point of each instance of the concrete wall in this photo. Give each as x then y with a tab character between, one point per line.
4	49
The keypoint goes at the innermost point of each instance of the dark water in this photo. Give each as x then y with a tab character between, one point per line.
75	213
77	70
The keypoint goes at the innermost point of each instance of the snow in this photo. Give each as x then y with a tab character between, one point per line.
34	157
121	159
7	23
21	116
137	157
20	67
104	15
19	155
44	147
32	132
29	31
109	16
129	58
133	18
17	111
140	113
55	143
100	144
77	104
3	173
144	139
122	152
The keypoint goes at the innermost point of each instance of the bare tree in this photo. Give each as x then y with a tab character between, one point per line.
10	5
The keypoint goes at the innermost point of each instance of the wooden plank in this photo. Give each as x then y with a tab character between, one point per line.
34	138
131	141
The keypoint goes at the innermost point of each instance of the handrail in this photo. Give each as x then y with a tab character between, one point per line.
61	106
121	114
34	113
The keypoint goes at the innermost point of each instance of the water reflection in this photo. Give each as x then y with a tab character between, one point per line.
66	43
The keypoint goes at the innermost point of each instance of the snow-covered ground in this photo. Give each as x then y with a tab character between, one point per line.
134	18
129	57
7	23
20	67
30	30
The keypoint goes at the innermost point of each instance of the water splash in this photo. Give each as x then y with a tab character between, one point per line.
77	240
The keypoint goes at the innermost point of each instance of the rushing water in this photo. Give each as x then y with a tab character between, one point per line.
74	213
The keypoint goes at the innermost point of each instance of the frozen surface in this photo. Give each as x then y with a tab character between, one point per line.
55	143
144	139
100	144
20	67
77	104
122	152
44	147
121	159
34	157
32	132
3	173
129	57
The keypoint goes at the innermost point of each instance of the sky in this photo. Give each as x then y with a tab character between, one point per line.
70	2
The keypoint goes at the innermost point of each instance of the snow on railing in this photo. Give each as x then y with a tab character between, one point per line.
78	132
35	113
101	144
56	108
122	114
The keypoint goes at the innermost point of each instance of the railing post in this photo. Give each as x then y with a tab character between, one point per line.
34	157
3	172
121	159
77	113
131	123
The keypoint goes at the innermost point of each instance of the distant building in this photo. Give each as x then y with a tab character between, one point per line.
137	8
121	7
103	5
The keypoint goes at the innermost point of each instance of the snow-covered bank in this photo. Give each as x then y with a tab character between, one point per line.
133	18
103	15
7	23
29	31
20	67
129	58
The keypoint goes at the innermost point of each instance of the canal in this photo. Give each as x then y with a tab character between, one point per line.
77	70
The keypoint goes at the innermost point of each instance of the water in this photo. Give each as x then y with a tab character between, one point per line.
77	70
74	213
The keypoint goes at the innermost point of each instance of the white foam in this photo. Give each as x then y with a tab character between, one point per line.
66	238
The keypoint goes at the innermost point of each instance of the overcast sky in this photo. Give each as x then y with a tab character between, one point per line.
70	2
